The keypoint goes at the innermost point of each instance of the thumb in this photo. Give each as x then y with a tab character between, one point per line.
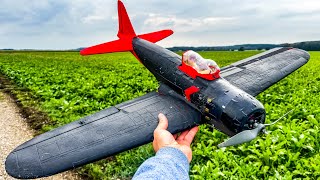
163	122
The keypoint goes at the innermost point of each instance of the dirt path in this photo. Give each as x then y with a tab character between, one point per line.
14	131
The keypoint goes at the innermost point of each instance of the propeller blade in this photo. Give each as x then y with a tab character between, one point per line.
249	135
242	137
280	118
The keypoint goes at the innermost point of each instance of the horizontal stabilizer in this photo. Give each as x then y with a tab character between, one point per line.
120	45
156	36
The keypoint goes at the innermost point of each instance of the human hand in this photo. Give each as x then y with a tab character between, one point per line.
163	138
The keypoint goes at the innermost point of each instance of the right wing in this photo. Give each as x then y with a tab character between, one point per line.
100	135
255	74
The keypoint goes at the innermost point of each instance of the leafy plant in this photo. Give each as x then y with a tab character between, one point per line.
67	86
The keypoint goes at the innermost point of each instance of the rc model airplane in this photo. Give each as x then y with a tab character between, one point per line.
223	98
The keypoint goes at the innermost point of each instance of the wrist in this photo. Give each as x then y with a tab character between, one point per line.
173	151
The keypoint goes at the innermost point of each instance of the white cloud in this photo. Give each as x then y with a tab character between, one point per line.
186	25
297	6
63	24
93	19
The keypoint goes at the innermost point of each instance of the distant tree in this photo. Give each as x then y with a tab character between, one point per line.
241	48
259	49
286	45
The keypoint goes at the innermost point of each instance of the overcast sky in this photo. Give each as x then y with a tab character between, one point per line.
66	24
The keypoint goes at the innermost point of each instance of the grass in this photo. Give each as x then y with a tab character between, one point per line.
67	86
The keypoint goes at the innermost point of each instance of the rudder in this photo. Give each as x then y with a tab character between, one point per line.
125	26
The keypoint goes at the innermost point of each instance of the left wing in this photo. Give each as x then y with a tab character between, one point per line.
100	135
255	74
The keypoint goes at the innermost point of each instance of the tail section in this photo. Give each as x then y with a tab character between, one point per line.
125	34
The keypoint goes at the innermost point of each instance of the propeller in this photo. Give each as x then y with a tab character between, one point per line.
249	135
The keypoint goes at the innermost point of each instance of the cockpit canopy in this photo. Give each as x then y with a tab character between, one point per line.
197	62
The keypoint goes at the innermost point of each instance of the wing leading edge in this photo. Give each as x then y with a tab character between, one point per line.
255	74
100	135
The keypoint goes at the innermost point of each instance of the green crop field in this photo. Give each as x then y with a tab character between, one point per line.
66	86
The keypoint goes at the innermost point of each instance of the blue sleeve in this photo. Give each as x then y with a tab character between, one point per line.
169	163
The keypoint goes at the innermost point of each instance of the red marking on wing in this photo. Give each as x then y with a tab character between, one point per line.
189	91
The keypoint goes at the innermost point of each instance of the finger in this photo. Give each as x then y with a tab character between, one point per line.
163	122
183	135
190	136
155	146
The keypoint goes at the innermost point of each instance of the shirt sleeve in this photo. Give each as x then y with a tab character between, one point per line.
169	163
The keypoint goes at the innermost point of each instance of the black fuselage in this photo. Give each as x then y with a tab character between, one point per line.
223	105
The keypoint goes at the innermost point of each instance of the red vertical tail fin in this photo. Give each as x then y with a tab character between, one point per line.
126	34
125	26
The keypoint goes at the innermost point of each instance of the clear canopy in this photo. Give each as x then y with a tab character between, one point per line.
203	66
